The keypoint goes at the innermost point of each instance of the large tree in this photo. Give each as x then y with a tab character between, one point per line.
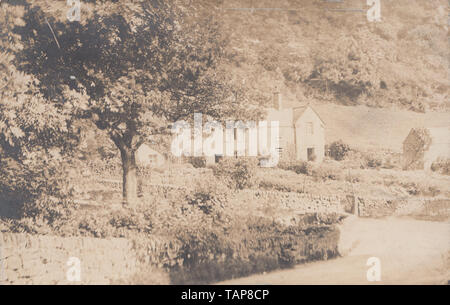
130	67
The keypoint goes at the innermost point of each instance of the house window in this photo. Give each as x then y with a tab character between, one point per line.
311	154
309	128
152	159
217	158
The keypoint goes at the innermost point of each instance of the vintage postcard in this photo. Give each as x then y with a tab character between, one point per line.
230	142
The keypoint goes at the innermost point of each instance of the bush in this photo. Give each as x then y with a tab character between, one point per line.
441	166
299	167
320	172
208	196
237	173
252	246
338	150
33	189
416	188
373	161
197	162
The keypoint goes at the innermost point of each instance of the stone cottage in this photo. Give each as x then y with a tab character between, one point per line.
423	146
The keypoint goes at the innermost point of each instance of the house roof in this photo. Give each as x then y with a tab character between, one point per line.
299	111
289	116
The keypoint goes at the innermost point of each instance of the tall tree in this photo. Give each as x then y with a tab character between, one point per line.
129	67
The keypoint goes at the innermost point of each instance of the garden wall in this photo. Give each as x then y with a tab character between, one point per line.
296	202
38	259
301	203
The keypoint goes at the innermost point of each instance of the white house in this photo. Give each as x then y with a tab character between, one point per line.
295	133
302	131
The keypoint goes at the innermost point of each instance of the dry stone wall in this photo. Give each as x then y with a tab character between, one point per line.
38	259
296	202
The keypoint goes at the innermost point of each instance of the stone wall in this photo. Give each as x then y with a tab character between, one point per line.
299	203
295	202
38	259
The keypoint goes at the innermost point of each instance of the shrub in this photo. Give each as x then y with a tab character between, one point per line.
197	162
441	166
299	167
208	196
373	161
254	245
32	189
338	150
416	188
237	173
126	220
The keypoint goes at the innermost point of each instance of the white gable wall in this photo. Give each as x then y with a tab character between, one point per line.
305	140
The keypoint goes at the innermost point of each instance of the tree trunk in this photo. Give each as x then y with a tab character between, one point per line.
130	183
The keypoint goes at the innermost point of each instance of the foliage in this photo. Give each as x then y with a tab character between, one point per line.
338	150
33	191
441	166
28	121
131	68
372	161
197	162
237	173
210	196
299	167
320	172
417	188
356	62
257	246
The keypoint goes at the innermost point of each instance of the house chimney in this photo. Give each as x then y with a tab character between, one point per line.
277	101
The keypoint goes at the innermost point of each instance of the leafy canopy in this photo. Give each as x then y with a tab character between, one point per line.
131	67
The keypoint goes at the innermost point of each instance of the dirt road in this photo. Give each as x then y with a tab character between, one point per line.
409	251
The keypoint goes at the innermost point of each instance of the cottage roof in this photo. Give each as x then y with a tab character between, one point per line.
298	112
289	116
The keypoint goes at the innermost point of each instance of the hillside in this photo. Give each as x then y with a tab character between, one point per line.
369	128
317	51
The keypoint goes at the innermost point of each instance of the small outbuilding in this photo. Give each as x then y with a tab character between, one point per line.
423	146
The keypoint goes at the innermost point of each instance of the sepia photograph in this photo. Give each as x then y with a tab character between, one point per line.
205	145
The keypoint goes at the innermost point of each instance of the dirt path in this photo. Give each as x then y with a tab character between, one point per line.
409	251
